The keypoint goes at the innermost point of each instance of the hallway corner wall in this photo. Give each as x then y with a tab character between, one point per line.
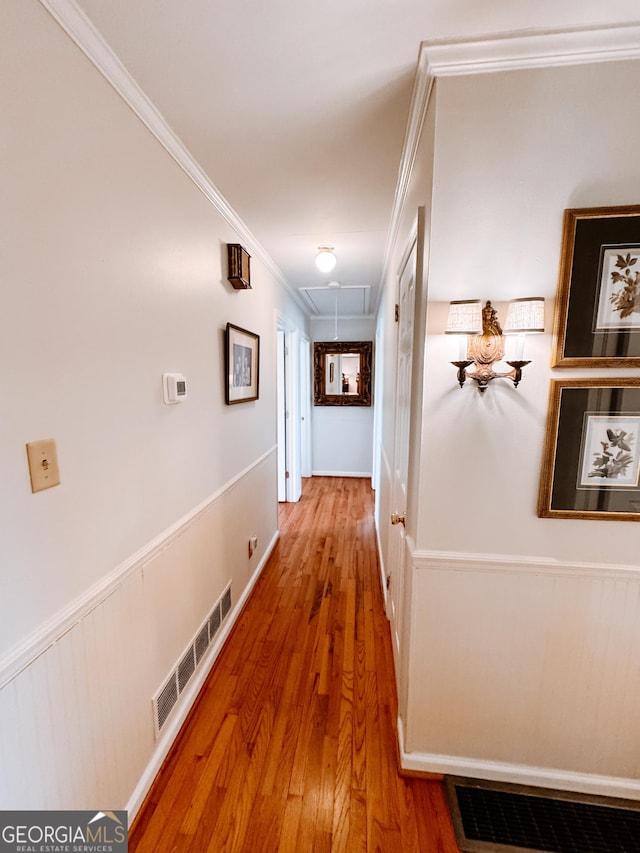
522	646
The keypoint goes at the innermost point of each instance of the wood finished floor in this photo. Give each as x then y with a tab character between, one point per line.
291	745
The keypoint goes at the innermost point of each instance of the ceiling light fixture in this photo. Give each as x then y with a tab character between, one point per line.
325	259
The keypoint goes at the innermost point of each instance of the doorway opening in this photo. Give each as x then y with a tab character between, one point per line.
294	411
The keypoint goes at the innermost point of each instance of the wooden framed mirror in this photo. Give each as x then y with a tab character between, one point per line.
342	373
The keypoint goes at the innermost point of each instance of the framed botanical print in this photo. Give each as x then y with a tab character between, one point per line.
591	463
598	308
242	365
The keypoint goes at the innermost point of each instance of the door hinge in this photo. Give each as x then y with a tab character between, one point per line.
397	313
388	581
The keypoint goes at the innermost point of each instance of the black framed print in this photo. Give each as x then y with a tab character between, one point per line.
591	462
598	307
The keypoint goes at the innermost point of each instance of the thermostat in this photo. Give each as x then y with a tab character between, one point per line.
174	386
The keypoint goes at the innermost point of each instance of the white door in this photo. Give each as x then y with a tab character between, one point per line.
288	405
396	572
282	416
305	408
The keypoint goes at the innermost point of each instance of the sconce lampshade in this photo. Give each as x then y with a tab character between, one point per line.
465	317
325	259
525	315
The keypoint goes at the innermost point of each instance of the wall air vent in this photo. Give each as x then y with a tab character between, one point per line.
202	641
186	667
214	620
165	701
225	602
166	698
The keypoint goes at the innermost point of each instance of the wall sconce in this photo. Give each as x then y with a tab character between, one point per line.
482	341
325	259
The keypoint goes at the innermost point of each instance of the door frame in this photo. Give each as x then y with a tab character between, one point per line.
417	243
401	434
288	397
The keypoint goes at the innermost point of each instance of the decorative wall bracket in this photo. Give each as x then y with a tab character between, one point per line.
484	373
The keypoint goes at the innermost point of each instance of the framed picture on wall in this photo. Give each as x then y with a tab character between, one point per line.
598	307
242	365
591	462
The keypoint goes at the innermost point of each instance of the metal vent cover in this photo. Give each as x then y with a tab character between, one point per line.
225	602
214	620
167	697
489	817
186	668
165	701
201	643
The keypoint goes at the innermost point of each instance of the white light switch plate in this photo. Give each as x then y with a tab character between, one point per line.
43	464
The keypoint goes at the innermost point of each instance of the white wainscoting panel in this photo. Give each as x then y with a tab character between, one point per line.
527	670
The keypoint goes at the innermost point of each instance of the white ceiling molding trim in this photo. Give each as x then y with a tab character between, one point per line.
355	300
502	52
82	31
532	49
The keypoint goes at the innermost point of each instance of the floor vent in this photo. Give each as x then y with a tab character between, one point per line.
166	698
496	818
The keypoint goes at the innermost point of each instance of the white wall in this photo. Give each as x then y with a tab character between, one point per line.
342	436
523	641
113	272
542	141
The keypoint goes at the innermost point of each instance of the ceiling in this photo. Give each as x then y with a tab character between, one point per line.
296	110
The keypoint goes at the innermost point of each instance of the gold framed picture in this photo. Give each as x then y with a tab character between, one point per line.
591	461
597	321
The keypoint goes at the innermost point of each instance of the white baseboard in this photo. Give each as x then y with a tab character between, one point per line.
520	774
189	696
341	473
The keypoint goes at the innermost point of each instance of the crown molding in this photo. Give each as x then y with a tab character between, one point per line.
85	35
531	49
500	52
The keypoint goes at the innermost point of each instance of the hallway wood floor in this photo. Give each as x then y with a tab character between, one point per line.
291	745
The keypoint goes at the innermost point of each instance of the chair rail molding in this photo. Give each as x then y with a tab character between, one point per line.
20	656
422	560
